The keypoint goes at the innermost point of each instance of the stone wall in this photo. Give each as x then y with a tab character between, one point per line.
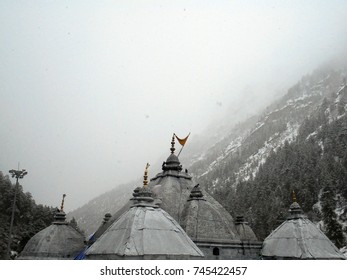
230	250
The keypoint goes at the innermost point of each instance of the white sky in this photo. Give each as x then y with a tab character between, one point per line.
92	90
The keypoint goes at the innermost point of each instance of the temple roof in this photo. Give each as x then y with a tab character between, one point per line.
172	189
172	163
145	231
57	241
172	193
299	238
244	230
204	219
106	224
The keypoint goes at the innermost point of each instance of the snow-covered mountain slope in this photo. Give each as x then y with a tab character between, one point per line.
230	152
238	155
299	144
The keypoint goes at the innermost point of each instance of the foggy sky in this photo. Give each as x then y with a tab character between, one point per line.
92	90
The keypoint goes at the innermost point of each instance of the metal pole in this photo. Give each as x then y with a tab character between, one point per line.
19	174
180	151
12	219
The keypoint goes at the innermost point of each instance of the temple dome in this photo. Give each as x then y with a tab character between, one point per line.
172	193
244	230
106	223
204	220
172	159
58	241
172	188
298	238
145	231
172	163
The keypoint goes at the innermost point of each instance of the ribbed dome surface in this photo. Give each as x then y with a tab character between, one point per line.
145	231
244	230
204	220
298	238
58	241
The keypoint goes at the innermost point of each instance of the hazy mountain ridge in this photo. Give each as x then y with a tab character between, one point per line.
90	216
313	163
238	155
232	154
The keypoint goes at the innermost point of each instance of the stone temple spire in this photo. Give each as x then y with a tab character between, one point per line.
145	176
143	196
295	209
106	218
172	162
172	149
60	216
196	194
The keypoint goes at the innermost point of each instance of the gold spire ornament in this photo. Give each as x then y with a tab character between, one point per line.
145	176
62	203
293	196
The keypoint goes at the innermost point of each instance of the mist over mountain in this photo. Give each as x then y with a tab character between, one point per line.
254	169
246	146
113	80
252	161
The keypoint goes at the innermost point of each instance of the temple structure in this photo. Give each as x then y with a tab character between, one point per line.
58	241
299	238
144	231
244	230
172	217
194	211
205	220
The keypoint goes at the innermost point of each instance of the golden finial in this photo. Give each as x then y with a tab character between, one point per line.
172	149
293	196
62	203
145	177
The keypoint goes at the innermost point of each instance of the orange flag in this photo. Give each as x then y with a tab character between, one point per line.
182	141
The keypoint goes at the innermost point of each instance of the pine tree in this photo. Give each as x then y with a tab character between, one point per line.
29	217
333	228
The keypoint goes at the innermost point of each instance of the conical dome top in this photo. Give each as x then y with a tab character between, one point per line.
145	231
59	218
58	241
196	194
172	162
107	217
298	238
295	211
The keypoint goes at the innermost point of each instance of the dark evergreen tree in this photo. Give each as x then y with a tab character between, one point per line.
29	217
316	158
333	228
